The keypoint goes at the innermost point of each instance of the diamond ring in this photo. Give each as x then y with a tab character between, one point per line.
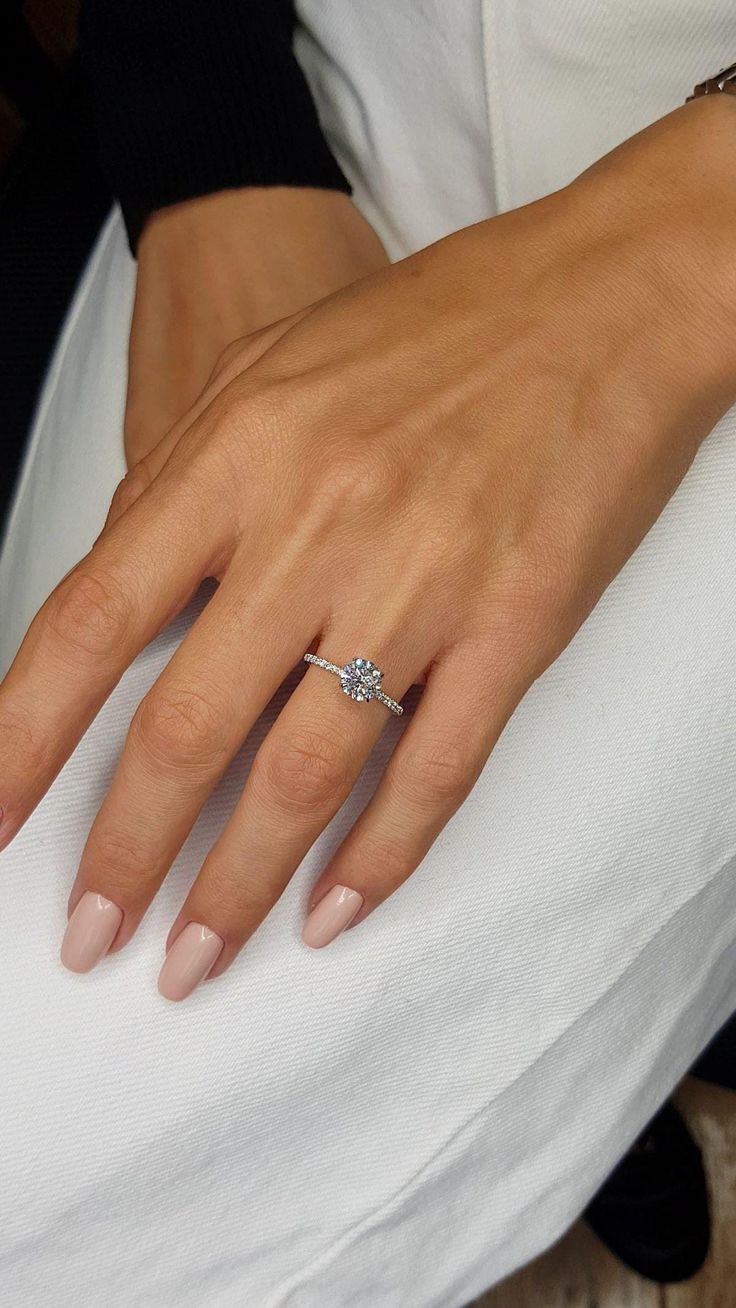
360	679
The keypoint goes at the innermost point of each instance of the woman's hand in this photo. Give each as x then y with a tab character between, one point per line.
440	469
217	268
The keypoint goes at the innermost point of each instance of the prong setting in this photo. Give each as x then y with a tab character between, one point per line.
360	679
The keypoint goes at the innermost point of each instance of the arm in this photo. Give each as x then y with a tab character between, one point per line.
441	469
232	200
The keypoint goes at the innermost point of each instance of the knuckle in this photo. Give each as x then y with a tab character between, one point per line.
434	771
126	867
89	614
445	548
130	489
307	771
232	359
230	901
361	480
238	356
24	743
180	727
386	854
444	540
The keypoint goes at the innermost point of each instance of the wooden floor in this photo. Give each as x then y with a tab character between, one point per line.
579	1273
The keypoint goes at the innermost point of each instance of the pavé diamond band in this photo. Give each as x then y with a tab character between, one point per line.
360	679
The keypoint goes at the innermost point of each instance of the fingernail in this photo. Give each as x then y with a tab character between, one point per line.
331	916
194	952
90	931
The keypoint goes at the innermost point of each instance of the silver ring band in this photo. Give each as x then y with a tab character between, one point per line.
360	679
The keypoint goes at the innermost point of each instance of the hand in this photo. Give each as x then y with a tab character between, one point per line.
217	268
440	468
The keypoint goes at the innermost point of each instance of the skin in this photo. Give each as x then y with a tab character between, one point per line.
218	268
452	457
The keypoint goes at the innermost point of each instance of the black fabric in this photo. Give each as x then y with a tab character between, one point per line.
53	202
195	96
27	77
718	1063
652	1212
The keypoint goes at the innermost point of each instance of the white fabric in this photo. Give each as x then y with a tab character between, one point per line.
400	1120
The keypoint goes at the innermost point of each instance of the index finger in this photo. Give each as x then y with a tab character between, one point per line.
137	576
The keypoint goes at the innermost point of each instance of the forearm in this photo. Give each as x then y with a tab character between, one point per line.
264	251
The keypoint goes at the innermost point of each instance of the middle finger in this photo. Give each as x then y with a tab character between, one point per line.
184	734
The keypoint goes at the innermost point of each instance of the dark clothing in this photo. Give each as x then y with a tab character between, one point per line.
54	201
195	96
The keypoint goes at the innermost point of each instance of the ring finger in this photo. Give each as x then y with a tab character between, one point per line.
302	774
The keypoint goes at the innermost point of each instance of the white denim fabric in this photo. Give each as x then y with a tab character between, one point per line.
400	1120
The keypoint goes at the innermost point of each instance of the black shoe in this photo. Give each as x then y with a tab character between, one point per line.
652	1212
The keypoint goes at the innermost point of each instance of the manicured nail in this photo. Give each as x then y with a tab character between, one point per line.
90	931
331	916
194	952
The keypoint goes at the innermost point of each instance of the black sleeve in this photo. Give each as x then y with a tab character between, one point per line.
195	96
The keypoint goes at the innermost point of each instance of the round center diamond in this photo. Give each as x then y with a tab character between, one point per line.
360	679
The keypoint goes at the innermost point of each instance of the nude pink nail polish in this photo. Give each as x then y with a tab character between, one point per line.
90	931
192	955
333	913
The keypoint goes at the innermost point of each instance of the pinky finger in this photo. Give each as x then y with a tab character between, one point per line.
433	768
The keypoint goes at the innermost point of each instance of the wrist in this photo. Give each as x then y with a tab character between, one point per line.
308	241
667	199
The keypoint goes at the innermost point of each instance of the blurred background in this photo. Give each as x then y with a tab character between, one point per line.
53	199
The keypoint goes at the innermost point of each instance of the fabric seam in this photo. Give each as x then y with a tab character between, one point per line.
494	106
